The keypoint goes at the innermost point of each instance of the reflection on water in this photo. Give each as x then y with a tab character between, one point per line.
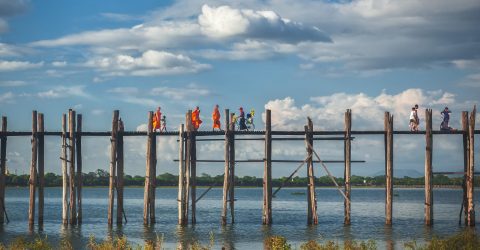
289	218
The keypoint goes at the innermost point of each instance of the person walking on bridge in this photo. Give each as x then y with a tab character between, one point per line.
216	118
196	118
157	117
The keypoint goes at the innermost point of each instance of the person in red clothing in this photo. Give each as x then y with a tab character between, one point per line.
157	117
216	118
196	118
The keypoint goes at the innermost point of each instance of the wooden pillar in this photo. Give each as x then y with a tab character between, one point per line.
466	158
79	168
41	168
348	167
33	171
113	166
193	174
120	172
428	168
3	160
471	170
312	217
146	197
181	177
153	175
226	176
71	129
188	149
231	157
267	171
64	171
389	168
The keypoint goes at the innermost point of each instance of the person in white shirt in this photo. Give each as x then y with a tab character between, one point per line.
413	121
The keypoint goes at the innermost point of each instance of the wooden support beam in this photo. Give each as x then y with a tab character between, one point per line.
428	169
64	171
193	174
181	177
3	168
33	171
188	149
312	216
120	172
232	163
267	171
471	170
153	175
348	167
79	168
466	158
226	175
146	196
113	167
388	168
41	168
72	187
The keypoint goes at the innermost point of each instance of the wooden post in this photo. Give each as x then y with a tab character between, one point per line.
64	171
3	160
113	166
312	217
181	177
79	168
153	175
146	197
348	168
41	168
389	168
466	158
193	174
231	157
120	172
428	168
188	149
71	128
33	171
226	176
267	171
471	170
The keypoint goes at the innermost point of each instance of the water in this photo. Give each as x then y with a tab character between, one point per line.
289	217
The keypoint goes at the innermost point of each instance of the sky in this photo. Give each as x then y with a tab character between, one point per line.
299	58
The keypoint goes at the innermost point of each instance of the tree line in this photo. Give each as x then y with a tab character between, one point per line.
101	178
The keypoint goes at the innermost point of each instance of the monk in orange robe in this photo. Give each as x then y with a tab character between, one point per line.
216	118
196	118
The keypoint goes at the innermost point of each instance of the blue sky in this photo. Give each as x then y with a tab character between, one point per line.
299	58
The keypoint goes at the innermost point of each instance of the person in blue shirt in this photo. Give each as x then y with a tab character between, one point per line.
446	119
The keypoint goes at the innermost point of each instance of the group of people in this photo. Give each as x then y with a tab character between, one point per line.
415	120
217	125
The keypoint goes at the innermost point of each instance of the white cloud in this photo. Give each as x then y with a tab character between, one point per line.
18	65
225	21
7	97
367	111
472	80
118	17
14	83
98	112
64	92
190	91
59	63
150	63
124	90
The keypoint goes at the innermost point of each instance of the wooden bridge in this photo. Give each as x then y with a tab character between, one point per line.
71	159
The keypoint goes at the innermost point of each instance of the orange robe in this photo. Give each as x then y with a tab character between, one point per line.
216	119
157	116
196	119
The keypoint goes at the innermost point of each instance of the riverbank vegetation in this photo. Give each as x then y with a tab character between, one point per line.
100	178
467	240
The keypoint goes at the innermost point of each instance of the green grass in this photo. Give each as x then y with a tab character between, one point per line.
467	240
